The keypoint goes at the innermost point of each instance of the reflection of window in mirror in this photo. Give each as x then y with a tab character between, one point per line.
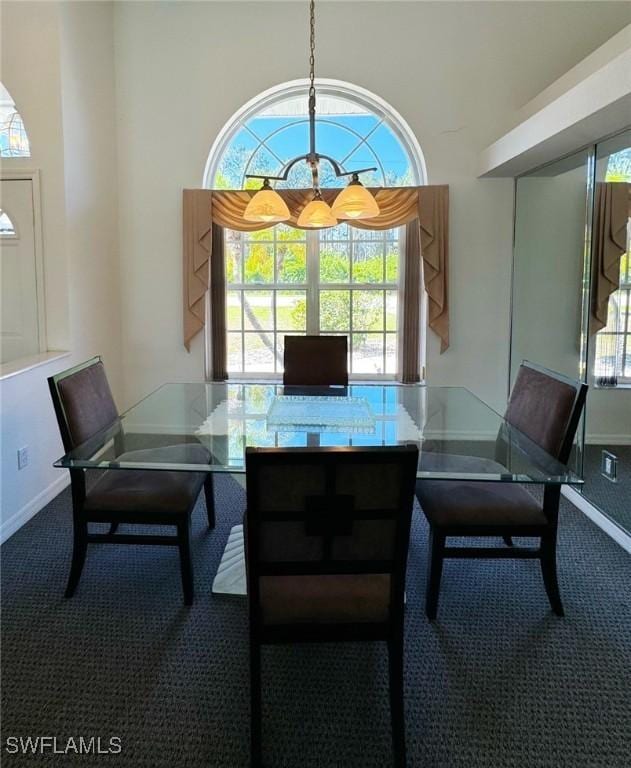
21	310
612	356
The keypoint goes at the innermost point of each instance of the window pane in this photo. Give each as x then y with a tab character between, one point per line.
367	353
392	303
234	257
291	263
6	225
259	352
392	261
609	348
258	310
368	262
340	232
291	310
285	232
368	310
233	310
368	234
259	263
334	262
391	353
335	310
234	352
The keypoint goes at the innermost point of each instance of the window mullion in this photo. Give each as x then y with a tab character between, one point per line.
313	275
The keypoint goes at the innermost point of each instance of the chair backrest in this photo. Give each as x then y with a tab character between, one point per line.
318	511
83	402
316	360
546	406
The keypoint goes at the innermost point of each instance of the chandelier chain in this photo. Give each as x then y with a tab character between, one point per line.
312	49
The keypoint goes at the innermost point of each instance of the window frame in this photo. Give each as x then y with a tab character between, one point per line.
32	175
312	288
624	288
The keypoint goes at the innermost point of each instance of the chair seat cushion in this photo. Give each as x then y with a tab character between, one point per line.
321	599
463	503
145	490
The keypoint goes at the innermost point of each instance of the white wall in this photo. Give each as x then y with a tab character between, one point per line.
457	72
58	65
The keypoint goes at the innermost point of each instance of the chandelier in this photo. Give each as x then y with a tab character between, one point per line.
353	202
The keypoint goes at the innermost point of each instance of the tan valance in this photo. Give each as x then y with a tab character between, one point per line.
609	242
399	205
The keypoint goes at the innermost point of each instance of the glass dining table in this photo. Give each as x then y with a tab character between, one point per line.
459	436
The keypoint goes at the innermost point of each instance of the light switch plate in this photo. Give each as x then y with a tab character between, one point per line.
23	457
609	466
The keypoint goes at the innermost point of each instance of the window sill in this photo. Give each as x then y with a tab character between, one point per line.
24	364
622	385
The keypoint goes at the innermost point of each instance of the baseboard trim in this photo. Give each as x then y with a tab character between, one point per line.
22	516
618	534
606	440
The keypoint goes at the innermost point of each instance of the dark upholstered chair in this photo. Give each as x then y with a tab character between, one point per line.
84	406
546	407
327	533
316	360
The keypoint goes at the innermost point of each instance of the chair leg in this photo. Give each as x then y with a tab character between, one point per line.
255	704
186	562
397	709
434	572
79	550
549	571
210	499
113	528
508	540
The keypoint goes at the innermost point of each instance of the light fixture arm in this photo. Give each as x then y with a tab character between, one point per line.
312	158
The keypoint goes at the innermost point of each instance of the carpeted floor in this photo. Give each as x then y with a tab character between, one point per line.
497	681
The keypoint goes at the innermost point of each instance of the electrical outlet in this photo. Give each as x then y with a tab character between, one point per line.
609	466
23	457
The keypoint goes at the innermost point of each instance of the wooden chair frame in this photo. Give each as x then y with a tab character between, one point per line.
546	533
82	517
390	631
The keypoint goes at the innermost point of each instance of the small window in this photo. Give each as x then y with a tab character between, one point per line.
6	225
13	139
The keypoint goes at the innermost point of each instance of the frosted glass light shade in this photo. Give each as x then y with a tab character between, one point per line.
266	206
355	202
316	215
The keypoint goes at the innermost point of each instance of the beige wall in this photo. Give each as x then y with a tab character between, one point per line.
457	72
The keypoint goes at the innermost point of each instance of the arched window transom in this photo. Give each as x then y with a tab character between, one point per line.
352	126
13	139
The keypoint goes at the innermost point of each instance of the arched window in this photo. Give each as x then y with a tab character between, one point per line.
335	281
13	138
354	126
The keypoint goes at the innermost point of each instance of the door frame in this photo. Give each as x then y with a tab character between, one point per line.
33	175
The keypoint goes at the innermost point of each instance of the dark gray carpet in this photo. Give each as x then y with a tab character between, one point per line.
614	499
497	681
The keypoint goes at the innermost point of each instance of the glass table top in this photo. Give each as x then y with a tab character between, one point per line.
207	426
